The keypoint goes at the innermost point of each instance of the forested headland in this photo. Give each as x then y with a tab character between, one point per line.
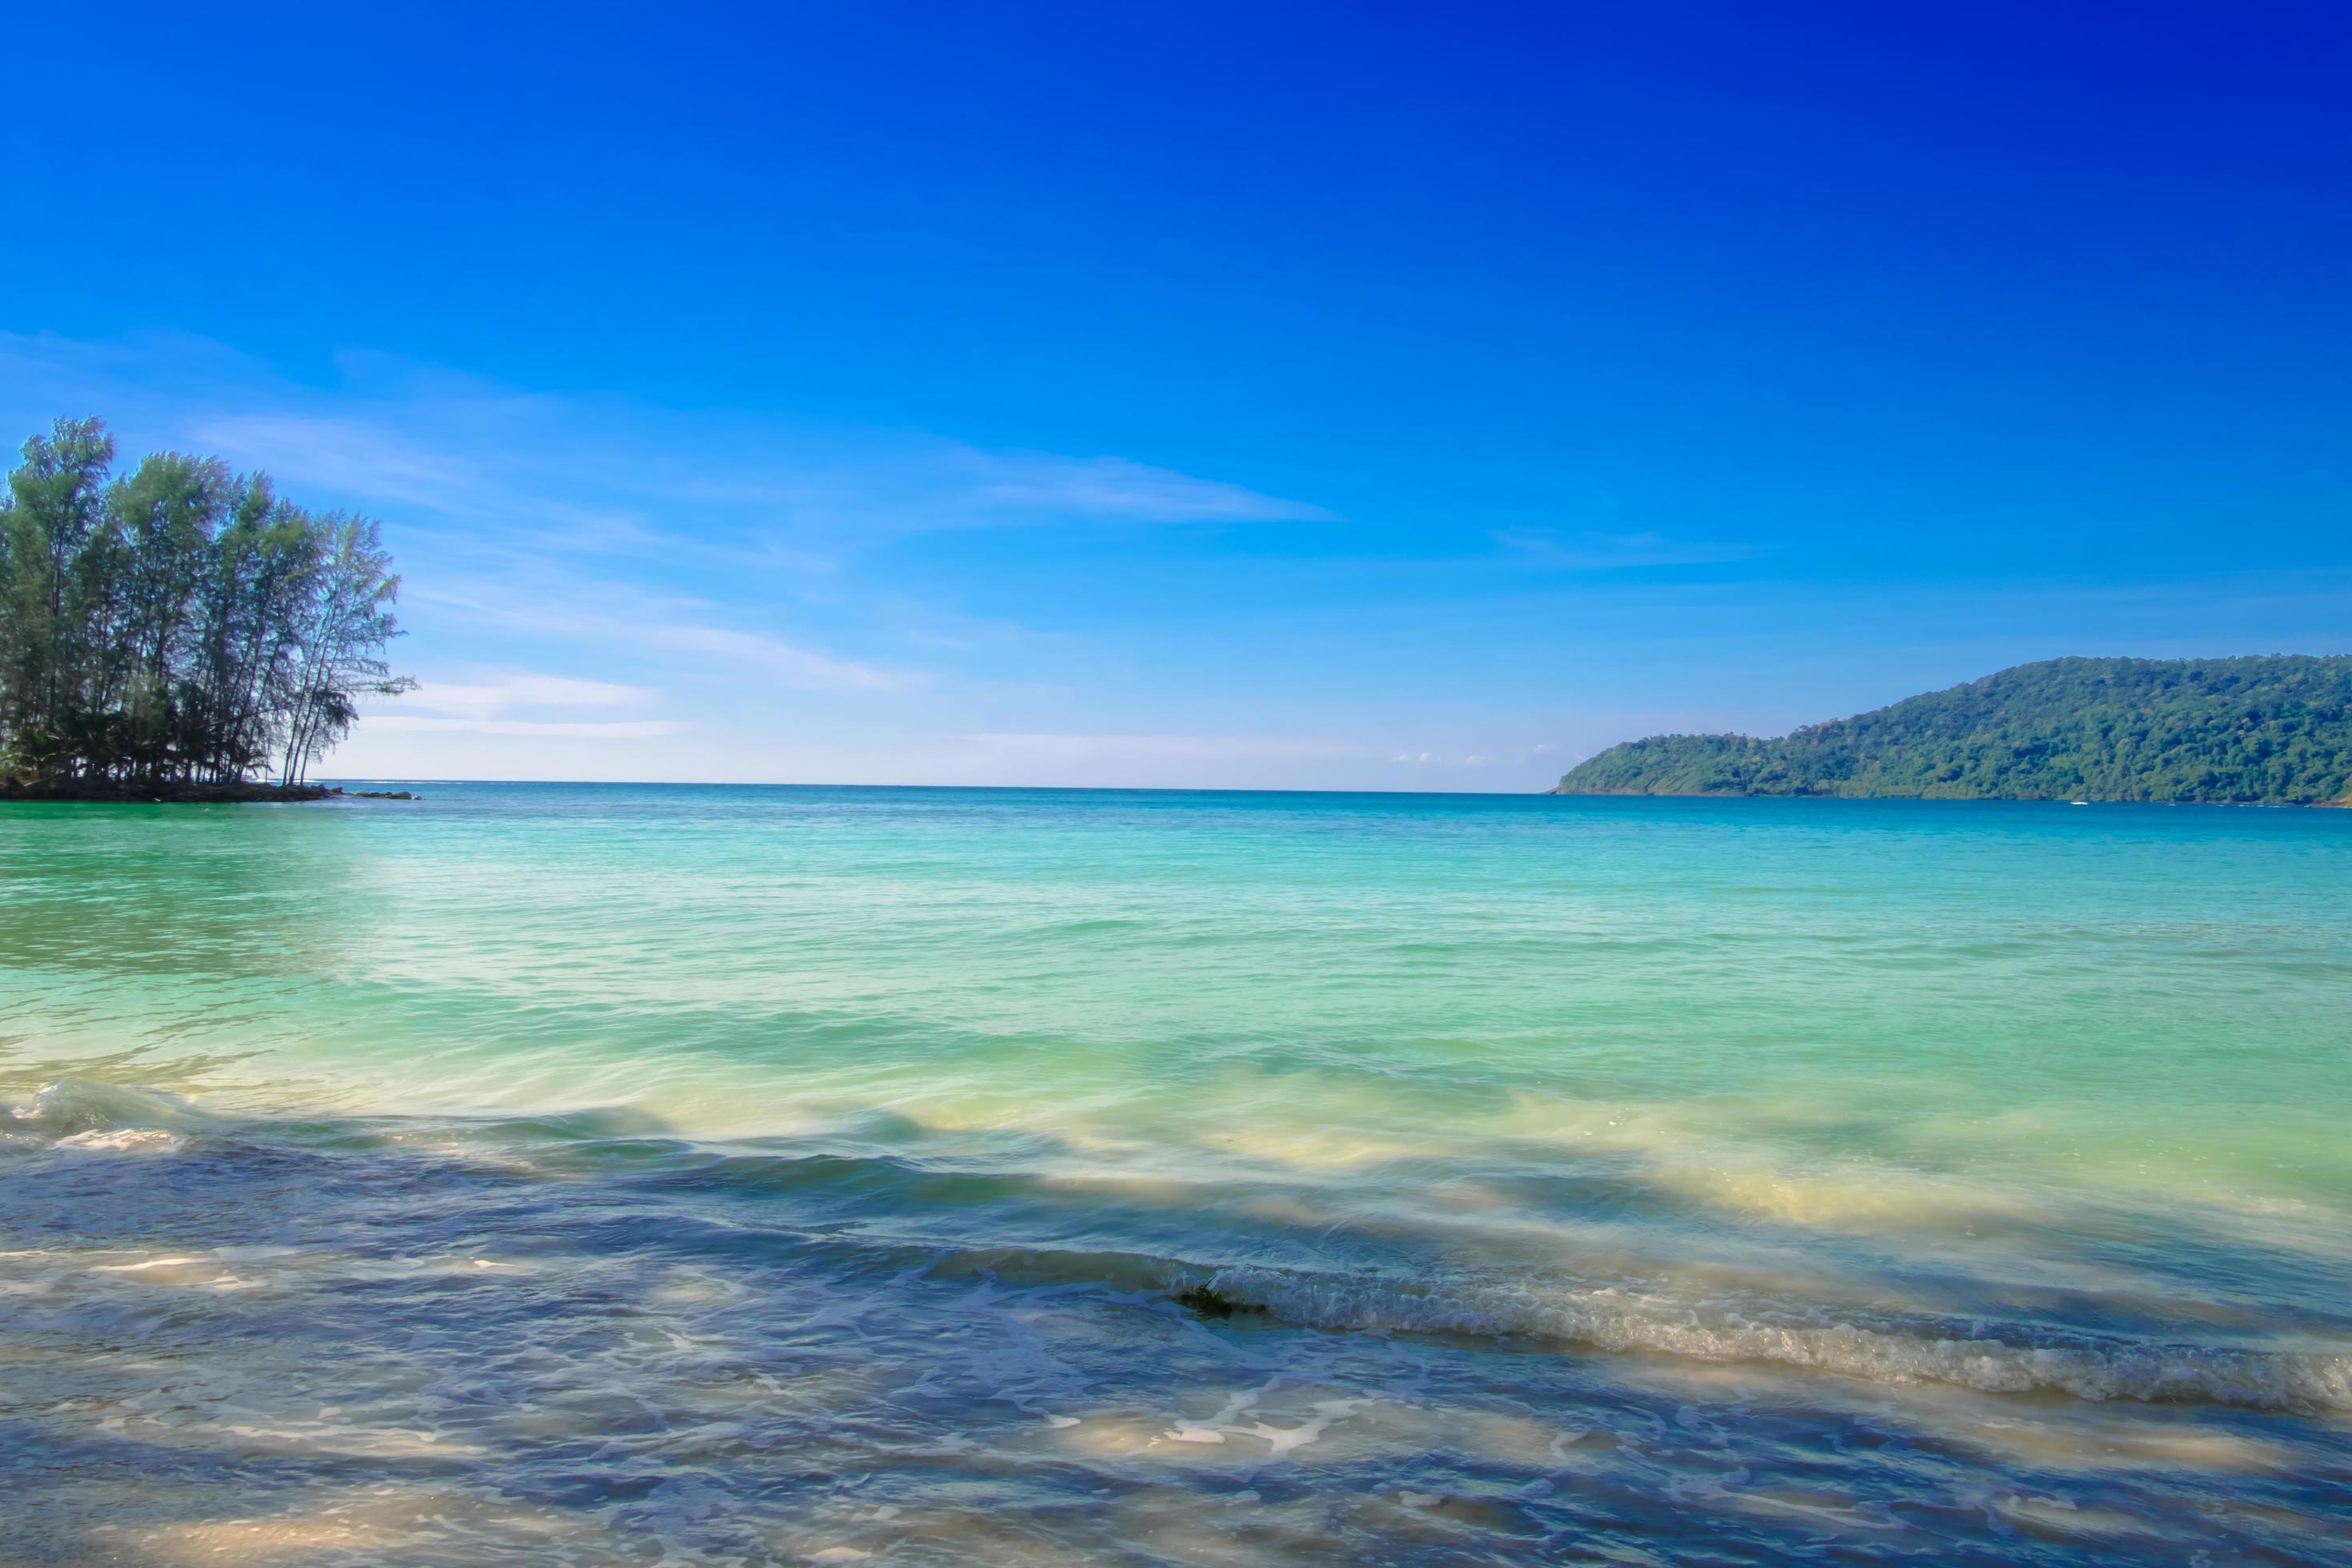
180	629
2273	730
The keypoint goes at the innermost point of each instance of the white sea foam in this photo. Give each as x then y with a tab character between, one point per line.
84	1113
122	1140
1880	1350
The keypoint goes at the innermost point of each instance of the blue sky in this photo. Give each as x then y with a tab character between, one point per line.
1266	396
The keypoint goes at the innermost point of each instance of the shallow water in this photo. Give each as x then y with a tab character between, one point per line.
610	1174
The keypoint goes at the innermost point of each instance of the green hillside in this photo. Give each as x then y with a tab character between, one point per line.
2275	729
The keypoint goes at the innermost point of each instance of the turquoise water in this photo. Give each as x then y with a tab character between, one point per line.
602	1173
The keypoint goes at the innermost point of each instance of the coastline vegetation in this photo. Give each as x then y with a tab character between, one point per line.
2273	730
180	630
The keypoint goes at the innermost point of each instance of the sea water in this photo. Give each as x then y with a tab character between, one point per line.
579	1173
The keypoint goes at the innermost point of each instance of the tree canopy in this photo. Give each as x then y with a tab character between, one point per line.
2275	729
180	623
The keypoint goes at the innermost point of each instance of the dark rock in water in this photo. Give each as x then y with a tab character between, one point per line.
1208	1301
381	794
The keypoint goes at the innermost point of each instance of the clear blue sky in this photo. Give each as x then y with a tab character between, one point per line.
1405	398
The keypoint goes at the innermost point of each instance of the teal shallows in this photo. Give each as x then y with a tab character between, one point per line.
1941	986
1993	1098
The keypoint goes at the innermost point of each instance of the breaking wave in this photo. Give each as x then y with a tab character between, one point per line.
2019	1360
2006	1358
87	1114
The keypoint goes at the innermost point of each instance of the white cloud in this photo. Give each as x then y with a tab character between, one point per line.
542	729
355	455
490	698
546	601
597	475
1468	760
604	589
794	666
1115	488
1185	748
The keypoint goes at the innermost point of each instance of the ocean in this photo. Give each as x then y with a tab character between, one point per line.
594	1174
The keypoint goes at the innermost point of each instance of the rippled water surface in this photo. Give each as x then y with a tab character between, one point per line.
569	1173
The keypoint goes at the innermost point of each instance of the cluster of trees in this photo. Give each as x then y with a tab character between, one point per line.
2273	730
178	624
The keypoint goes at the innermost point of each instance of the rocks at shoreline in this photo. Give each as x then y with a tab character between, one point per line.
118	792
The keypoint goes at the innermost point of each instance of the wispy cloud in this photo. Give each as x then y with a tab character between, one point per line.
1115	488
795	666
1443	759
615	616
734	541
506	692
1168	748
357	457
541	729
644	591
597	474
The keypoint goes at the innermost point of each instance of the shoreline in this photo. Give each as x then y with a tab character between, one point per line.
114	792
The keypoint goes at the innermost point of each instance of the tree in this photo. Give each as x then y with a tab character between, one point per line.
182	623
54	570
2275	729
169	513
339	657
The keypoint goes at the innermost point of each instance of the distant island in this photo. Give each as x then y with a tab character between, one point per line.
179	632
2270	730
